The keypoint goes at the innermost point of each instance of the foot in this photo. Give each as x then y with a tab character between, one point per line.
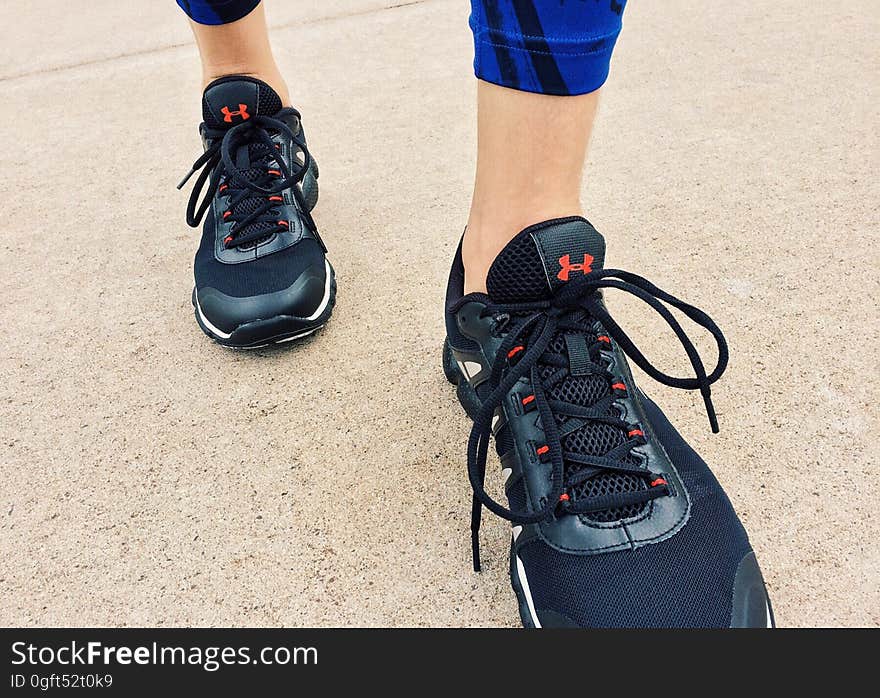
617	521
261	274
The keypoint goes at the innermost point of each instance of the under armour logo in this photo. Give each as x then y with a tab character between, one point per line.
568	267
241	111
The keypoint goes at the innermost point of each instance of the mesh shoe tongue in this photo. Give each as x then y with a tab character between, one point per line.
543	257
229	101
535	263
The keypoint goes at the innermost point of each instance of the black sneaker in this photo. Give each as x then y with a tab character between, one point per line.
261	275
617	521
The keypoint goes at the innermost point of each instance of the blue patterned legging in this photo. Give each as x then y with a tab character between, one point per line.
556	47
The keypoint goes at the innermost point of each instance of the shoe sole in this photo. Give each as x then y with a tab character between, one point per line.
467	396
279	329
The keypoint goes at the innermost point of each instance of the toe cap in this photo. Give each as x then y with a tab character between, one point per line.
751	605
305	299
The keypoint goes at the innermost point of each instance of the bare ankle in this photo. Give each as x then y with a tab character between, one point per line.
240	48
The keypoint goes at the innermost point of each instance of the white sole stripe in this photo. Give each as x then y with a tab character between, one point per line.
207	323
524	583
328	276
298	336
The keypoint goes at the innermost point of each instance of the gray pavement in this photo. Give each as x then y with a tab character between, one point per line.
152	478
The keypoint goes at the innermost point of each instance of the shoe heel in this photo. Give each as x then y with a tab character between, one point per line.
466	395
310	186
450	367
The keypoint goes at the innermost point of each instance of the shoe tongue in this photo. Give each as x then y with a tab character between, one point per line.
544	257
232	100
228	102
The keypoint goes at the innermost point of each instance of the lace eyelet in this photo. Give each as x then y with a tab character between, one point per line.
515	354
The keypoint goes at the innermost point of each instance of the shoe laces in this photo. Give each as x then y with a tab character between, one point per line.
256	191
577	313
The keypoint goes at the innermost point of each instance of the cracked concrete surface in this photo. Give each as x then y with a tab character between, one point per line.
152	478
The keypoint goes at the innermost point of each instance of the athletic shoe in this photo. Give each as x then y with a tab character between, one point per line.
617	521
261	275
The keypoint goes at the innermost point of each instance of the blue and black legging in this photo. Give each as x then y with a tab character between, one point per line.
555	47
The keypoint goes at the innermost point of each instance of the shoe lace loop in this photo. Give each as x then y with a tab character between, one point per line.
218	163
532	327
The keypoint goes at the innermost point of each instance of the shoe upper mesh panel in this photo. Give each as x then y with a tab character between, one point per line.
517	269
277	271
684	581
612	483
268	102
252	203
593	439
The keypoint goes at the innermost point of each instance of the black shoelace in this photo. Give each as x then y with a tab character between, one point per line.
261	218
525	350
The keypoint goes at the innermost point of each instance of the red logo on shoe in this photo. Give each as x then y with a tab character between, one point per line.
241	111
568	267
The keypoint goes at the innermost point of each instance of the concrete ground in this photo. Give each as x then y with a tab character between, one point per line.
152	478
